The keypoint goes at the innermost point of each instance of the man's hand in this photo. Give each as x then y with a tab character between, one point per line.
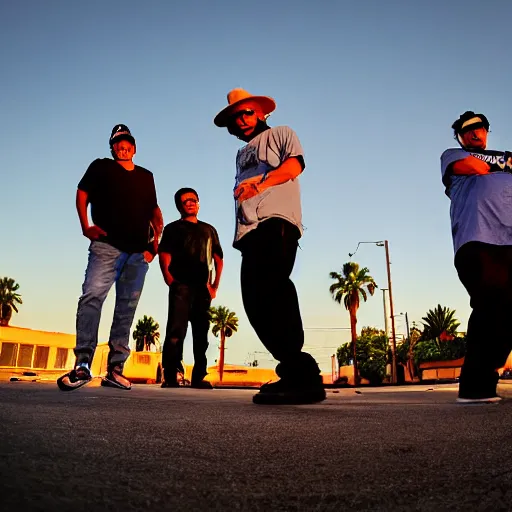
94	233
148	256
211	290
245	191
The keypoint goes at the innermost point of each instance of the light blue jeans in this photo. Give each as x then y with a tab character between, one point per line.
106	266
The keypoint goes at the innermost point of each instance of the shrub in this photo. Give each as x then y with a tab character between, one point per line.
371	353
435	350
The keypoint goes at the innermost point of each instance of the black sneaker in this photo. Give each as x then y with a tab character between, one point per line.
170	384
74	379
115	379
284	392
202	384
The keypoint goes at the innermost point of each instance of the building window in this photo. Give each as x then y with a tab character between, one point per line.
143	359
8	354
41	357
62	358
25	356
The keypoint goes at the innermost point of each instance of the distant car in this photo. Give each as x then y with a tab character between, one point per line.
507	374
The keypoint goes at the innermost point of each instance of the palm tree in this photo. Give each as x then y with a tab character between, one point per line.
8	299
439	322
146	334
225	323
350	286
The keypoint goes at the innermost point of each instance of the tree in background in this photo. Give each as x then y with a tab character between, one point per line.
351	284
439	323
8	299
372	354
224	323
405	351
146	334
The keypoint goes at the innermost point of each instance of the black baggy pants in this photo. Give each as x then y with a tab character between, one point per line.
270	298
486	272
186	304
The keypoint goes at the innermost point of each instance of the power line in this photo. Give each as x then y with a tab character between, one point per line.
327	328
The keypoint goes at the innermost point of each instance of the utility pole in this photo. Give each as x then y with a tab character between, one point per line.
385	304
385	244
393	335
407	325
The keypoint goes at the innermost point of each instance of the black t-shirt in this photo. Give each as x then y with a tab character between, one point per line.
191	247
122	203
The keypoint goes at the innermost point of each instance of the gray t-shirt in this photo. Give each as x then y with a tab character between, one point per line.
260	157
481	205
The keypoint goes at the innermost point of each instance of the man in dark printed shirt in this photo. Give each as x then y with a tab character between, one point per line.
478	182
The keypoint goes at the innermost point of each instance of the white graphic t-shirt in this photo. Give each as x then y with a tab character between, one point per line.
259	158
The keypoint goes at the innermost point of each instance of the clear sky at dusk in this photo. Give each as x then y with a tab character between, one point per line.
370	87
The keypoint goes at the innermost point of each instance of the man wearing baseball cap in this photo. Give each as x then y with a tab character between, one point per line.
124	233
268	227
478	182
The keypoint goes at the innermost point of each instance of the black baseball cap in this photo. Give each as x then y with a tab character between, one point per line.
121	132
470	121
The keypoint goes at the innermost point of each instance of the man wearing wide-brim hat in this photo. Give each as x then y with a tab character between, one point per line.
478	182
268	227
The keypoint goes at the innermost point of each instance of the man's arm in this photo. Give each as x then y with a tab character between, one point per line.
157	221
165	260
287	171
82	202
470	165
219	265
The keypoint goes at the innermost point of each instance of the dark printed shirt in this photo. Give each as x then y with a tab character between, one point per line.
481	204
191	247
122	203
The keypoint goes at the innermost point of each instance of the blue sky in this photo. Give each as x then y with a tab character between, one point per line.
370	87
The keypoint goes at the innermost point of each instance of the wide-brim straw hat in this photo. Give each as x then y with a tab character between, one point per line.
237	96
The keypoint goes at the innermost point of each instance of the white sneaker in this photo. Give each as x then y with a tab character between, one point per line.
490	400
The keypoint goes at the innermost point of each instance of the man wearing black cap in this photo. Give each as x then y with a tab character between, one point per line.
124	233
478	182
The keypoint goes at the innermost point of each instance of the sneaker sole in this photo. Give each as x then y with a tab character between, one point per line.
479	401
65	384
289	399
112	384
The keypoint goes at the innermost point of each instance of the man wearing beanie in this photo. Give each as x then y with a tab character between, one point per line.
268	228
478	182
124	233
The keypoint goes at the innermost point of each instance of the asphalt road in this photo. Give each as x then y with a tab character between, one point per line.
180	449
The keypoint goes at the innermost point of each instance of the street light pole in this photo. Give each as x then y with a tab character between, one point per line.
384	243
385	304
393	335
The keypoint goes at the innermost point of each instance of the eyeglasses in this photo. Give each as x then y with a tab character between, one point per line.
194	201
240	113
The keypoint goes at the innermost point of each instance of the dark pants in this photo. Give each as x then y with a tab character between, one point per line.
186	304
270	298
486	272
